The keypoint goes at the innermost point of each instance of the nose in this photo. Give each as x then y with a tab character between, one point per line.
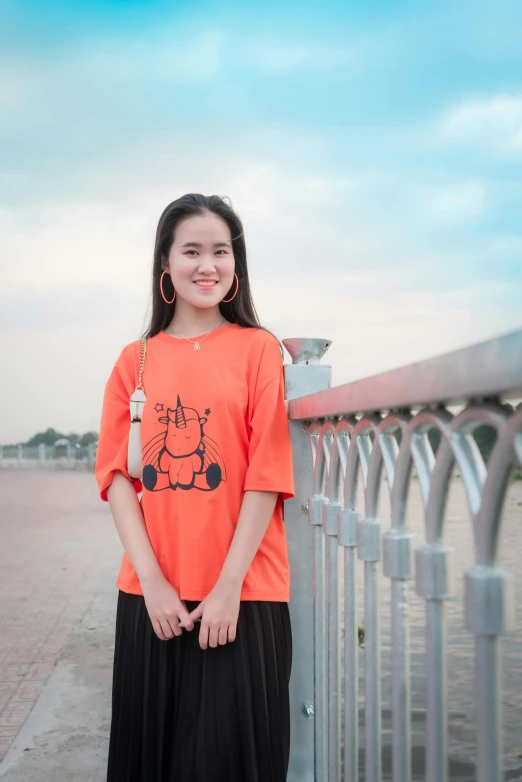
207	265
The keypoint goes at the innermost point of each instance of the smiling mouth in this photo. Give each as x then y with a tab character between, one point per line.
205	284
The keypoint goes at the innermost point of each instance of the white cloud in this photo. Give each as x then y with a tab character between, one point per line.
78	243
324	186
374	326
460	201
15	82
494	121
173	55
272	55
323	263
505	246
93	81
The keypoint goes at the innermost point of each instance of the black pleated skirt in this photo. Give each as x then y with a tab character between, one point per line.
185	714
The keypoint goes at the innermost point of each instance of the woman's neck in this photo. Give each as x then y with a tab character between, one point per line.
196	322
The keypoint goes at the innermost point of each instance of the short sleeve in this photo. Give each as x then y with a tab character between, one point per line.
270	466
113	440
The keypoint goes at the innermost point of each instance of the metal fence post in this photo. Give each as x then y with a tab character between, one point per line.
369	550
304	376
417	397
331	513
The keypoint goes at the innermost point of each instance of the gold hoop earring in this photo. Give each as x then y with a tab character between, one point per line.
161	289
237	288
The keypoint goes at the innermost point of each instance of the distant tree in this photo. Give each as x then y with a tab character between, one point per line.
49	437
72	437
88	438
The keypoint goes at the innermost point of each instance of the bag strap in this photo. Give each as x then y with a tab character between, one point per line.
142	361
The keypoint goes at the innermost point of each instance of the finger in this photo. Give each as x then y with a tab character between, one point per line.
203	635
183	603
197	613
193	624
166	628
232	630
174	626
185	619
213	637
158	630
223	635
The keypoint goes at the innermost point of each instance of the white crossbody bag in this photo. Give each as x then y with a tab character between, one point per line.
137	400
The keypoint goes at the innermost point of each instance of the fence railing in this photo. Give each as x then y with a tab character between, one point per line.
48	457
378	430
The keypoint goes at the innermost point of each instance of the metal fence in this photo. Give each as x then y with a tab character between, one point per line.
48	457
374	432
377	430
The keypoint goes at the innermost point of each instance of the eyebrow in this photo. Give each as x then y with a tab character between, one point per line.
197	244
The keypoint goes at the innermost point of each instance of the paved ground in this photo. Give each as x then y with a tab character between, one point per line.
59	561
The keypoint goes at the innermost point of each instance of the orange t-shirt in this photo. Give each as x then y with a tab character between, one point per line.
214	426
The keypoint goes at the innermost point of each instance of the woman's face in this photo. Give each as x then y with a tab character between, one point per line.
202	250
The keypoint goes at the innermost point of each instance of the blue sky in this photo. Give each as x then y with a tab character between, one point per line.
373	151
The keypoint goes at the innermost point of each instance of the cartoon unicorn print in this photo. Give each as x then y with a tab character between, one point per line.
182	456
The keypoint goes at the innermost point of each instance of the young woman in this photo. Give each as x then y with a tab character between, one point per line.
203	645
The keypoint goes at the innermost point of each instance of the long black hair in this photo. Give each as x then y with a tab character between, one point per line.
241	309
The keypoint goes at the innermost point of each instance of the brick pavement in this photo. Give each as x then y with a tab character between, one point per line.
59	548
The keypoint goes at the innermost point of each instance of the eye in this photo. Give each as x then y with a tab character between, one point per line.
193	251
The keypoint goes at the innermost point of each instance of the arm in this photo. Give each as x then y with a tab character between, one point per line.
116	487
256	511
221	605
162	601
128	518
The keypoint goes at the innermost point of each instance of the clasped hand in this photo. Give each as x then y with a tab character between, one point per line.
218	612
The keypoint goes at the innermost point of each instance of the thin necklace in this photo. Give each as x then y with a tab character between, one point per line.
196	344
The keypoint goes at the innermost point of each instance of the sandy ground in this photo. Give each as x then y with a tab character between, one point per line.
58	568
59	561
65	737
